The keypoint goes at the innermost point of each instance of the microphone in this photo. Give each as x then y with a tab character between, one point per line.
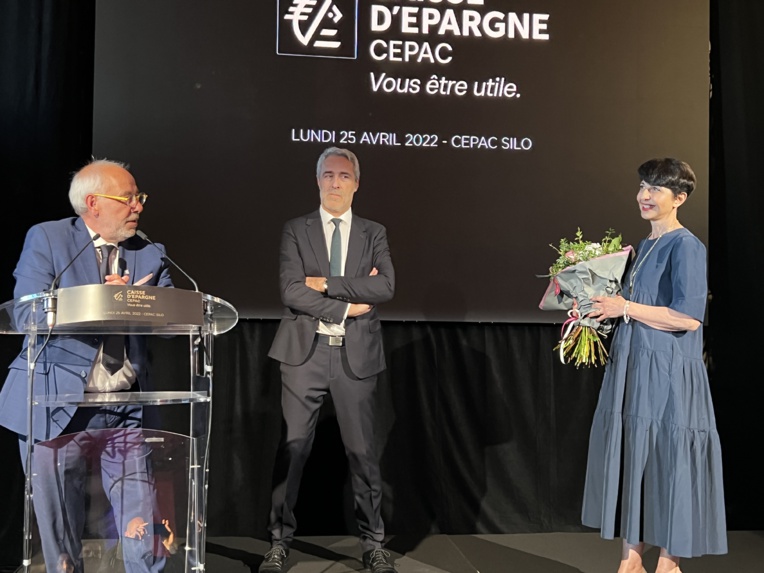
50	306
166	257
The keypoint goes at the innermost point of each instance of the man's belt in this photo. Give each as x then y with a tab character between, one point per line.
331	340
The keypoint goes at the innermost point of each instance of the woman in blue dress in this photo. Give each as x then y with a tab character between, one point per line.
654	452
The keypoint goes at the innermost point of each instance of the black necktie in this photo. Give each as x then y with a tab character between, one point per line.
105	265
335	253
114	344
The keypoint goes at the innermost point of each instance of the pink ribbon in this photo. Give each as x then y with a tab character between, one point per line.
573	314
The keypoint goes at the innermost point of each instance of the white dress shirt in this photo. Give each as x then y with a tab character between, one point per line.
99	379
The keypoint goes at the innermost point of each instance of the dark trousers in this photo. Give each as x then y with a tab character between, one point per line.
302	394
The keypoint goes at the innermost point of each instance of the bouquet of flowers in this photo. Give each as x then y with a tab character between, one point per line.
584	269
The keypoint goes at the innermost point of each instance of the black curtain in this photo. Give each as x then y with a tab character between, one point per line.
735	233
480	428
46	94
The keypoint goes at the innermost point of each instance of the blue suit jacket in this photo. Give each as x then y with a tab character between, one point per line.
64	366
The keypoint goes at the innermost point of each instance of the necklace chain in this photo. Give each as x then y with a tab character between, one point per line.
639	264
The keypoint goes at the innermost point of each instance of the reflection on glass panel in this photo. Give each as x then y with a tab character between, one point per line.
113	500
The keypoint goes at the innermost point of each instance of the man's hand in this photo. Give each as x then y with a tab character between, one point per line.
116	280
358	309
136	528
169	541
316	283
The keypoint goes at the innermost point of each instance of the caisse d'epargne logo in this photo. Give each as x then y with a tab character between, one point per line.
317	28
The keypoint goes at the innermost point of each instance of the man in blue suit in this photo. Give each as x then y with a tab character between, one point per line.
335	268
108	204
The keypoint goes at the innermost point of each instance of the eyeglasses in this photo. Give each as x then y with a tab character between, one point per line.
130	200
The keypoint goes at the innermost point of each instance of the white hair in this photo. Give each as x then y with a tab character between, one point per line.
88	181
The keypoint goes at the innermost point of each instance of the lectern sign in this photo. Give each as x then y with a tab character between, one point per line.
146	305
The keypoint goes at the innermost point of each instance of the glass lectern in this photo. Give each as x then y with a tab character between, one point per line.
131	498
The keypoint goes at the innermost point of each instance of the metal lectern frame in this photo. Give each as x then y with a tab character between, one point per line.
146	310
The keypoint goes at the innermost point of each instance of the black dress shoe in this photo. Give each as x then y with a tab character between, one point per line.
378	561
274	560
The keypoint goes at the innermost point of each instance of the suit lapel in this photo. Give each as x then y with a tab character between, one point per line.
127	262
317	241
355	247
85	268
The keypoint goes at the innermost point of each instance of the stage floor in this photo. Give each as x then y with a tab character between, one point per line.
521	553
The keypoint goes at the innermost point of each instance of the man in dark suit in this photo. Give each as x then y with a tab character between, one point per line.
108	204
335	267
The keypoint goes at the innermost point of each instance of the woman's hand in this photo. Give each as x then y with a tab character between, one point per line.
605	307
658	317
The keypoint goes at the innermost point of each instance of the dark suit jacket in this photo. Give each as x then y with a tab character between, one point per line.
65	363
304	254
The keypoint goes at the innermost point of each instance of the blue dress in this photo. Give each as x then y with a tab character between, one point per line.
654	452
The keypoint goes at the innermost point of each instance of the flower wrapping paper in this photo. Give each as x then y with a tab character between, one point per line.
573	287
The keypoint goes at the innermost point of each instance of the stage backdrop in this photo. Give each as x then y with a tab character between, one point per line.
45	101
486	130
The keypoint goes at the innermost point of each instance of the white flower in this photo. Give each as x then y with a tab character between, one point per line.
593	249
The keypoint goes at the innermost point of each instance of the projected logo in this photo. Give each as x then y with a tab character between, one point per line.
317	28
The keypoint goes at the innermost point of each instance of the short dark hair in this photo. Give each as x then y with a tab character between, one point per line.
670	173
